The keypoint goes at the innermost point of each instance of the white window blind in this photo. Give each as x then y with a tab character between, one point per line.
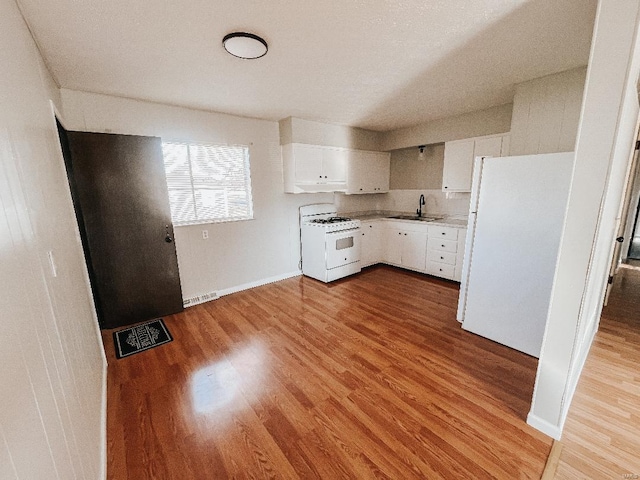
207	183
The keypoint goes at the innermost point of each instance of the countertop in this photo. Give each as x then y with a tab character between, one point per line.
456	221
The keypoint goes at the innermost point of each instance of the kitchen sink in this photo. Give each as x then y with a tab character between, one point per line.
416	217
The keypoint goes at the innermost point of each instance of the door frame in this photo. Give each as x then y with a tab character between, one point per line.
632	180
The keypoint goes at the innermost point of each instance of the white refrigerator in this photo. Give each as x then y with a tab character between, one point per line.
516	218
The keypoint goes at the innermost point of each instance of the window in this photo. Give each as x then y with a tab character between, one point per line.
207	183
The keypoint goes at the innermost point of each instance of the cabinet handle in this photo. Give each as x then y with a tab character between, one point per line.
438	269
320	176
446	187
441	258
443	233
325	176
360	189
405	234
442	246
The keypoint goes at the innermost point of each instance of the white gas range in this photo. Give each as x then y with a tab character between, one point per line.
330	244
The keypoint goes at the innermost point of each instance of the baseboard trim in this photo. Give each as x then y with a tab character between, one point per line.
258	283
554	431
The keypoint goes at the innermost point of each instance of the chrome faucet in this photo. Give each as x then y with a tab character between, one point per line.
420	204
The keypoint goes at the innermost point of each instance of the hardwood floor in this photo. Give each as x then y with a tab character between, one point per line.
367	377
601	437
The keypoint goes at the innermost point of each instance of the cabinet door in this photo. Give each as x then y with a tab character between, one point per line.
368	172
375	238
371	243
366	245
308	163
393	246
380	172
458	166
357	172
414	250
334	165
488	147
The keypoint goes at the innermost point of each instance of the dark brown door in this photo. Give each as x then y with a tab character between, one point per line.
120	195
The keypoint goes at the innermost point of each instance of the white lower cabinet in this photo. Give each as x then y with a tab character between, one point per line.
391	245
371	244
405	247
445	250
437	250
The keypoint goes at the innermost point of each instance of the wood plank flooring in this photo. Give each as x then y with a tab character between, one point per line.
601	438
367	377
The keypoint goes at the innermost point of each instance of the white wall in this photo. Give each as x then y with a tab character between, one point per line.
409	171
546	113
236	254
298	130
474	124
605	137
436	202
52	366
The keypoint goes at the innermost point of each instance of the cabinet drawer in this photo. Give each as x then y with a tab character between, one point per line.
446	233
440	269
440	256
442	245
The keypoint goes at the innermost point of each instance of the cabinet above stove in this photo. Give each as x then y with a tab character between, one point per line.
316	168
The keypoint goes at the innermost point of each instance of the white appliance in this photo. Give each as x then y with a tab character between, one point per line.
516	218
330	244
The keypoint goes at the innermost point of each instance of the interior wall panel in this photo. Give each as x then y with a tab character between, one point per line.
546	112
53	366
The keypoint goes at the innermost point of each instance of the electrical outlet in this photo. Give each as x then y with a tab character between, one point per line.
205	234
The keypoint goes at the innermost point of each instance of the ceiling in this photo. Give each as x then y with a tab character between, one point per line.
375	64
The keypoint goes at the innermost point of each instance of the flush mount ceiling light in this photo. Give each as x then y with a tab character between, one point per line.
244	45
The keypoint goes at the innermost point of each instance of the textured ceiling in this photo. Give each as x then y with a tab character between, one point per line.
377	64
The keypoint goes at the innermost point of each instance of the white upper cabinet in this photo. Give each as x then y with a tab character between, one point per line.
316	168
368	172
308	164
459	155
458	166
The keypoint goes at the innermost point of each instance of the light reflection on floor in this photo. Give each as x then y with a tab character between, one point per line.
220	386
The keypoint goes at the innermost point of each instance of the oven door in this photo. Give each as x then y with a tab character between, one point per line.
342	248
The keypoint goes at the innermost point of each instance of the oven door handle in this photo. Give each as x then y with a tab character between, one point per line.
348	232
